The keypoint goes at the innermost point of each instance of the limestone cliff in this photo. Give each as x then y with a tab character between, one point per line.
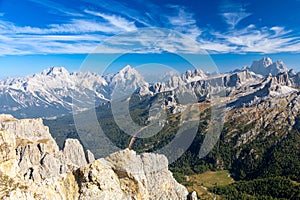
33	167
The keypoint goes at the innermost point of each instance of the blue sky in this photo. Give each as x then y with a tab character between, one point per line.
37	34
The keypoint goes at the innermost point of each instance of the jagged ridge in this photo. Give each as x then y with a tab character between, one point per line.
32	167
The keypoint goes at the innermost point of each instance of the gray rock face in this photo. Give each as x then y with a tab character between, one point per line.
295	78
34	152
149	173
238	79
32	167
131	176
98	181
280	85
279	112
73	153
192	76
266	66
90	156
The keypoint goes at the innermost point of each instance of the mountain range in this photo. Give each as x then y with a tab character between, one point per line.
56	92
258	107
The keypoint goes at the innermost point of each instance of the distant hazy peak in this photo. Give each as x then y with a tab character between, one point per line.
266	66
127	70
55	71
193	75
127	79
263	63
266	61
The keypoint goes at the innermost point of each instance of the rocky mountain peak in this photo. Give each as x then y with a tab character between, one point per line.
127	79
266	61
261	64
54	90
193	75
55	71
127	72
266	66
127	68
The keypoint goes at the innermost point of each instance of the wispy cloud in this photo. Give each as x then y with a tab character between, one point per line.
58	8
115	20
216	47
47	44
75	26
184	22
77	36
80	36
129	11
261	40
83	30
233	13
233	18
251	38
150	40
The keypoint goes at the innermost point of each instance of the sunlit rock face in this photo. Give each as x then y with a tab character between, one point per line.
33	167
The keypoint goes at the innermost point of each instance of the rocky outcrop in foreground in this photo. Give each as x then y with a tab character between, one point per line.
33	167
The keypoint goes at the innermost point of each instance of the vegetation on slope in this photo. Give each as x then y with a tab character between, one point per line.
256	146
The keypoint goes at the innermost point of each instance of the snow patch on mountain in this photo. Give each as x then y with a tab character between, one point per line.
266	66
56	92
51	92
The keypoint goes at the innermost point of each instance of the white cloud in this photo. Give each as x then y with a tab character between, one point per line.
48	44
279	30
115	20
215	47
76	26
78	36
151	40
55	40
57	7
261	40
184	22
128	10
82	35
233	18
233	13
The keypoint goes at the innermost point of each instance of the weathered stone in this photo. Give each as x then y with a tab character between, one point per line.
193	196
89	156
73	153
98	181
32	167
148	175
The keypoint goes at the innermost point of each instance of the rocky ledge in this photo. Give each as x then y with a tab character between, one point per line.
33	167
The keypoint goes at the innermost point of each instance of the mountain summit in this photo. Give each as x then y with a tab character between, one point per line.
50	93
266	66
56	92
128	73
54	71
127	80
